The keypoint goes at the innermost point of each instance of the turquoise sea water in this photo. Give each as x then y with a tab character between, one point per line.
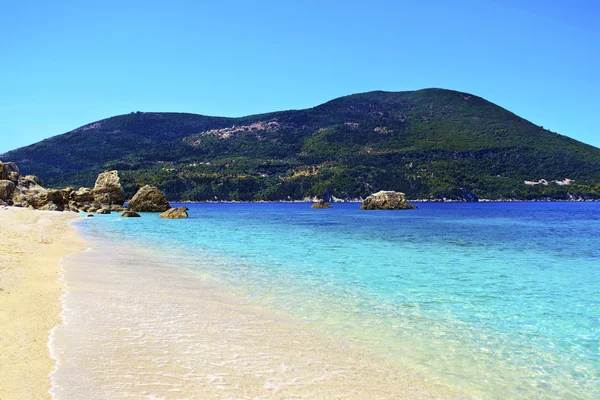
501	300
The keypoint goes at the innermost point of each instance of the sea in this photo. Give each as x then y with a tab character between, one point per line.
278	300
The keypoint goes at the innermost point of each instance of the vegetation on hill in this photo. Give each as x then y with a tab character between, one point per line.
428	143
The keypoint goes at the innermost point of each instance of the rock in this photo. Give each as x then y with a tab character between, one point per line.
6	189
321	204
108	189
117	208
130	214
103	211
29	194
28	181
90	215
386	200
33	178
9	171
469	196
82	195
149	199
175	212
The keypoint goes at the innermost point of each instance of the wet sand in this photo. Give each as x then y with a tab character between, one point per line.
137	327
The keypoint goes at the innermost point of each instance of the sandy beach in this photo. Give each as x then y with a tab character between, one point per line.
33	242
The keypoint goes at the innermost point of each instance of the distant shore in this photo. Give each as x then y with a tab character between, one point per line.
33	243
309	200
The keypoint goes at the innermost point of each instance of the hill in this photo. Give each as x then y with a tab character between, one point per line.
429	143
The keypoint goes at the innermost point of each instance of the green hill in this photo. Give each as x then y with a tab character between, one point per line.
428	143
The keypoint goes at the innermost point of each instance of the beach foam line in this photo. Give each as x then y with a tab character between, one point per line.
137	326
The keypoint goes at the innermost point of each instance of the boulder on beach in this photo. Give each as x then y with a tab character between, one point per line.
82	195
9	171
29	194
130	214
321	204
108	189
6	189
149	199
386	200
175	212
103	211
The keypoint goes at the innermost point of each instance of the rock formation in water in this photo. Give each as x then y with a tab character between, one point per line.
386	200
175	213
130	214
149	199
321	204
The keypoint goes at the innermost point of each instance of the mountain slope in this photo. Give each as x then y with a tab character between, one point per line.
428	143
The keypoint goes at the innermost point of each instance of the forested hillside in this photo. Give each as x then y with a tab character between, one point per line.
430	144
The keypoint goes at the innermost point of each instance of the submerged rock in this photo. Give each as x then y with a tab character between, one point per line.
130	214
321	204
149	199
175	212
90	215
108	189
386	200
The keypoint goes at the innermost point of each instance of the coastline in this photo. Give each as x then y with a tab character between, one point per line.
135	323
33	244
314	200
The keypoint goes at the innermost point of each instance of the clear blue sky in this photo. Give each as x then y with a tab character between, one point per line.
64	64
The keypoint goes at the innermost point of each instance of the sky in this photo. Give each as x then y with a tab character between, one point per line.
64	64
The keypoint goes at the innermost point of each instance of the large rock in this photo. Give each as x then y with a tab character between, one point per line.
9	171
6	189
35	196
82	195
130	214
149	199
321	204
467	195
386	200
175	212
108	189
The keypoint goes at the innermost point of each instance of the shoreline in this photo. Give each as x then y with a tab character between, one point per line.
308	201
31	285
162	330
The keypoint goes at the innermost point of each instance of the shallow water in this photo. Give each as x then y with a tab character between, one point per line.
497	300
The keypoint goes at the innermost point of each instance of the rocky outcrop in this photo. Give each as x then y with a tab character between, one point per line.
130	214
28	191
386	200
321	204
149	199
468	196
9	171
175	212
108	189
30	194
83	195
103	211
6	189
